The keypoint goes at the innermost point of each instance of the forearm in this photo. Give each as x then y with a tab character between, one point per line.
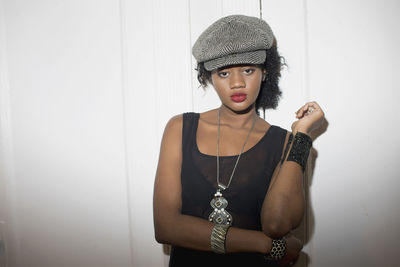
284	203
283	206
194	233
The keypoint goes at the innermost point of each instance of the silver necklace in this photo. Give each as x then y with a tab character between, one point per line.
219	203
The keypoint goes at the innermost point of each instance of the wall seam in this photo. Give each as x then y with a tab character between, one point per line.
306	53
156	88
123	52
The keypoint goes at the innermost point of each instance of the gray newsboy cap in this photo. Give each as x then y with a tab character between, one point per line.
235	39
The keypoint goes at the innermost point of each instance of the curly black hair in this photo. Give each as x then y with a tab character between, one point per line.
270	92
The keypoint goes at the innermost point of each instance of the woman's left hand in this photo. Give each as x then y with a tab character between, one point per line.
310	117
293	248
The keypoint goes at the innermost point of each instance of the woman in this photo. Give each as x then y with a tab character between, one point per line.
228	188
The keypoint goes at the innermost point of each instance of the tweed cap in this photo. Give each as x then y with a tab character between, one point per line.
235	39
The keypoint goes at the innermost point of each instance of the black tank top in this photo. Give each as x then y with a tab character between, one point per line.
245	194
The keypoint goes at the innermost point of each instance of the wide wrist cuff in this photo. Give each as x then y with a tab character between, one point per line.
300	149
218	236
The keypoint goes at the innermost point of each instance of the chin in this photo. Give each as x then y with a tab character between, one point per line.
241	108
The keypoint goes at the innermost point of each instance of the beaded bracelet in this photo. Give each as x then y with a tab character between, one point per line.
218	236
300	149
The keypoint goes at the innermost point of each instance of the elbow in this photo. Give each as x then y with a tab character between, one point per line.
160	234
165	228
160	239
276	229
163	231
277	223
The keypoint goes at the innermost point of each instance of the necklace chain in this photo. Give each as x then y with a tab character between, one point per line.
221	186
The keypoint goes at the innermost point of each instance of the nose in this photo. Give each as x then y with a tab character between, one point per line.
237	80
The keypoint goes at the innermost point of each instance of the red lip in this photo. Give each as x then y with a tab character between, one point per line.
238	97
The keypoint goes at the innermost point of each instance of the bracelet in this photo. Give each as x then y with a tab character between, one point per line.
300	149
278	249
218	236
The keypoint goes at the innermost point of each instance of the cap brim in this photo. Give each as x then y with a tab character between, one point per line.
253	57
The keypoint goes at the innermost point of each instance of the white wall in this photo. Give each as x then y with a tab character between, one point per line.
67	195
353	70
86	88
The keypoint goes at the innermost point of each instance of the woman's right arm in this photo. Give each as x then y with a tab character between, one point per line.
171	227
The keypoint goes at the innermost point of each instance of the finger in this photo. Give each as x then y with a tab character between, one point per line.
311	108
314	105
300	112
305	108
316	111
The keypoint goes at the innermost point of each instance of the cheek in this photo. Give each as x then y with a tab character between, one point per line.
219	86
220	91
215	79
255	84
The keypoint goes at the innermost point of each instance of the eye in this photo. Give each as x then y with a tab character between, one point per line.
248	71
223	74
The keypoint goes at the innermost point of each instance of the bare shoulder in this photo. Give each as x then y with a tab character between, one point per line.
174	125
172	133
175	121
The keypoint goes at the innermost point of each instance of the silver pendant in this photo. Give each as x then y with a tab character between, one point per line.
219	215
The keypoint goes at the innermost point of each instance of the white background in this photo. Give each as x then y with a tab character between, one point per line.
86	88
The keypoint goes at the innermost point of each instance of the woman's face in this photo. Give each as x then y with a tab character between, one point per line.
237	86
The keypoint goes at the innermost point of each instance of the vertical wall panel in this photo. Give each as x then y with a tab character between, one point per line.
157	87
172	58
66	113
286	19
141	128
354	74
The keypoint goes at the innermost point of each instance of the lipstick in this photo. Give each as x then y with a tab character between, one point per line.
238	97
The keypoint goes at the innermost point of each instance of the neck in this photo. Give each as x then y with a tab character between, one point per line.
237	120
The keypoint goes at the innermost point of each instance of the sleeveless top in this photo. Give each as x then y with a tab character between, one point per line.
245	194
